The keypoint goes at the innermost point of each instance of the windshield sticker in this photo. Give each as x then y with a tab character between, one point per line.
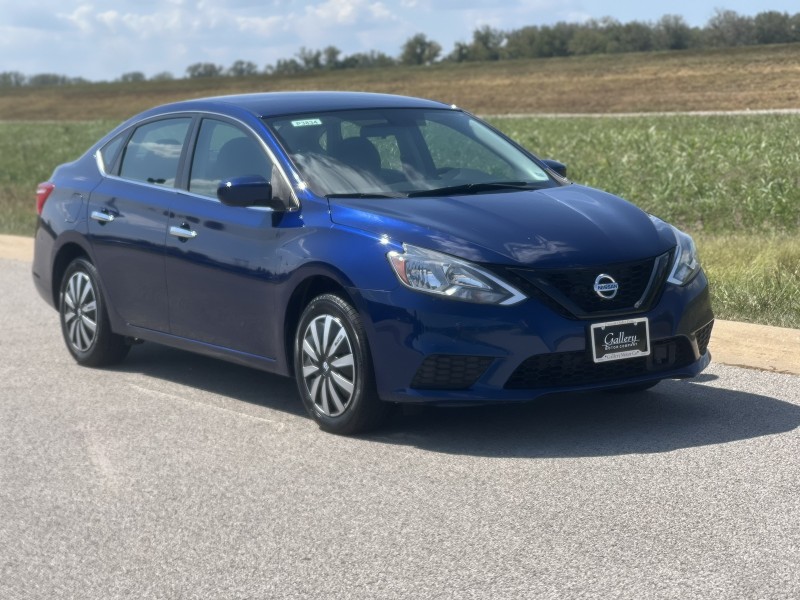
306	122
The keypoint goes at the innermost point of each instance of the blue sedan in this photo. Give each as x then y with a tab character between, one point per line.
379	249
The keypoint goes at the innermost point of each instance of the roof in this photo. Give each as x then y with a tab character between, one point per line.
273	104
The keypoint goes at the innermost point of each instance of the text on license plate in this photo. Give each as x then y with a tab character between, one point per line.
617	340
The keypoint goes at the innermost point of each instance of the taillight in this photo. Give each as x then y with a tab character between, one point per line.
42	194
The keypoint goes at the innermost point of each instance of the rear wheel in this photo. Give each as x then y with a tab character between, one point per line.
84	320
333	368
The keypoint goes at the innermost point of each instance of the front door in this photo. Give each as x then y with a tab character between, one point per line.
220	260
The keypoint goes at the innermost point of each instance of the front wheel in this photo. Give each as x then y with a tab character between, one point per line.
333	368
84	320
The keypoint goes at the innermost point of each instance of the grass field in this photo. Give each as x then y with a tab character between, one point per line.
28	154
754	279
733	182
714	175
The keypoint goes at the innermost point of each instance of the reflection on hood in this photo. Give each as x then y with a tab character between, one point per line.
557	227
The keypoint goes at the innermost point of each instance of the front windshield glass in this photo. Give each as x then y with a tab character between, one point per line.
402	152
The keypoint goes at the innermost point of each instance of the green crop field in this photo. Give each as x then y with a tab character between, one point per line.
715	175
28	154
733	182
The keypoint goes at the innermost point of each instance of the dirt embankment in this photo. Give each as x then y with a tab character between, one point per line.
747	78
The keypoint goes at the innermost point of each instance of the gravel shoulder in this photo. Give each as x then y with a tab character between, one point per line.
738	344
16	247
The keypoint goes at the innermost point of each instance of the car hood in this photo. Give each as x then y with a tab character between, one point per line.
556	227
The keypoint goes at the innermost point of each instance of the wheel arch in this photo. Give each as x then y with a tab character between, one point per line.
303	294
65	255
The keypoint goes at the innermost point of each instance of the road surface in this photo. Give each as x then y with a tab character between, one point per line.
176	476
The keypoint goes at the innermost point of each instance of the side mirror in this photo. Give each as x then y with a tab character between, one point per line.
556	166
251	190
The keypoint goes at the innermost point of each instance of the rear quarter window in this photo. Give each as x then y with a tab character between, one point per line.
110	152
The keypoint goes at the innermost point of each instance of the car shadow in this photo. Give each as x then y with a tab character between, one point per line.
674	415
215	376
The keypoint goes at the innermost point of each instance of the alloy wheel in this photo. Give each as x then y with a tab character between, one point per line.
328	365
80	311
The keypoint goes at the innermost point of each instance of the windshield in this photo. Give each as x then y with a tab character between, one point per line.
403	152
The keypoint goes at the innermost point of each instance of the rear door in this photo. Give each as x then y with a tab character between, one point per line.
128	215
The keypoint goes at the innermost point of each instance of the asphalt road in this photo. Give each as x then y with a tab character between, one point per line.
175	476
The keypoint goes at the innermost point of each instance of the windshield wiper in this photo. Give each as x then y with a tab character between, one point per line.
474	188
364	195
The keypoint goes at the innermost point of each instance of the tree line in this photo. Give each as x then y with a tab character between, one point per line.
725	29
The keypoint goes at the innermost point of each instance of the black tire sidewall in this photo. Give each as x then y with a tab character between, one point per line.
106	347
364	403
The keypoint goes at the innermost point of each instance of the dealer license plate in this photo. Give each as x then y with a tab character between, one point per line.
617	340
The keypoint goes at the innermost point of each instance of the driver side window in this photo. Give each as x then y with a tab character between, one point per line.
223	152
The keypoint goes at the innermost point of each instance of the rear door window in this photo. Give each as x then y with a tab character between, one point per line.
154	150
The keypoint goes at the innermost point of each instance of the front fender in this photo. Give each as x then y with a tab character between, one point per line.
350	262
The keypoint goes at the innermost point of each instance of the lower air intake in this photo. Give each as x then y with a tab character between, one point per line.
564	369
450	372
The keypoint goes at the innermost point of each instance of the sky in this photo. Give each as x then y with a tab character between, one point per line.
100	41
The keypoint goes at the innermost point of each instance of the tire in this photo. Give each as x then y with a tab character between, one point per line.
333	368
84	319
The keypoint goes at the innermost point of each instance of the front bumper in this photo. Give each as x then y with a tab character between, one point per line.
431	350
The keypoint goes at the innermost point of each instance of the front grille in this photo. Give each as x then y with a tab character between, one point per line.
577	368
450	372
640	284
703	336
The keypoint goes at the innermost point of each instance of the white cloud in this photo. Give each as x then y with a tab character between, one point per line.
97	41
381	12
262	26
338	11
81	18
577	16
101	40
110	19
347	12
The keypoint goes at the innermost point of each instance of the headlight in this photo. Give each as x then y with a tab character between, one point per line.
686	264
442	275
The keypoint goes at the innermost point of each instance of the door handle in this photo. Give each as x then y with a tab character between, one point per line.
183	232
102	216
